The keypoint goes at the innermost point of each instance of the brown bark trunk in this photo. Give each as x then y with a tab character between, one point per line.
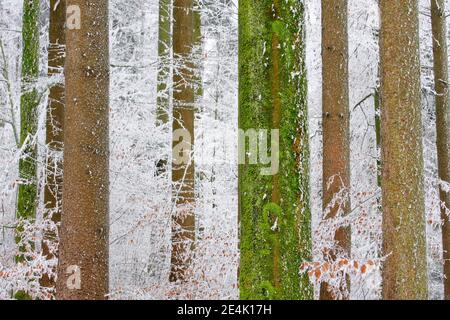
404	245
54	127
438	21
183	219
85	225
336	125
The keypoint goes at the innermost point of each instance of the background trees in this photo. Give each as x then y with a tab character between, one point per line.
85	225
183	167
164	55
164	70
404	271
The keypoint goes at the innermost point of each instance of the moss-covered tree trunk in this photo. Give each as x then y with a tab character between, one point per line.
84	237
336	129
183	173
439	27
404	242
29	101
54	127
274	212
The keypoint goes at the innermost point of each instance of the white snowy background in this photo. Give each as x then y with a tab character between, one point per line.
140	205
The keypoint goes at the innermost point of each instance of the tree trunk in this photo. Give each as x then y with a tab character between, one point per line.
164	74
336	130
439	28
85	223
29	101
164	49
404	245
183	174
54	127
274	212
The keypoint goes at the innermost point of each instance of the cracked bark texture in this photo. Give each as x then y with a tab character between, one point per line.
404	242
85	223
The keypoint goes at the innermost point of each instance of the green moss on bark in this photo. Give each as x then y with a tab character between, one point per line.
27	195
275	235
29	101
